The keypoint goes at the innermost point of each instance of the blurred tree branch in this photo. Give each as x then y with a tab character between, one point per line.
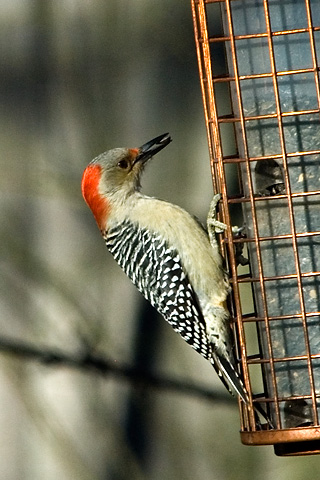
104	366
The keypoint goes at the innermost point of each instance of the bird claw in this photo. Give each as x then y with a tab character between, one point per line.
213	224
215	227
237	231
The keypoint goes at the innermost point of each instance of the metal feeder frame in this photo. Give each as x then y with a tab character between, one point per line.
294	414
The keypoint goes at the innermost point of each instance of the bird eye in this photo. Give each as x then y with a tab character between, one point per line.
123	163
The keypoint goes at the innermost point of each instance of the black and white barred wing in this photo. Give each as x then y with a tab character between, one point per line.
157	272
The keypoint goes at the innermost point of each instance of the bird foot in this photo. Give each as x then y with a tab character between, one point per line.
215	227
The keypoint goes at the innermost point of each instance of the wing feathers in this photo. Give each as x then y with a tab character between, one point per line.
157	271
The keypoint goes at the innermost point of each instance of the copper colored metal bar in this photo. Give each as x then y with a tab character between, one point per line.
229	119
253	76
216	154
274	198
249	318
204	65
275	237
217	38
283	359
297	276
233	159
244	145
290	207
311	30
234	273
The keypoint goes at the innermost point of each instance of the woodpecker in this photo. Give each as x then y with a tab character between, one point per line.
166	253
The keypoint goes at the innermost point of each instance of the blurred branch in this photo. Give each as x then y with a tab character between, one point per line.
105	367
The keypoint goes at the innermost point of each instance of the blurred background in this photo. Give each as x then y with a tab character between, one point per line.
78	78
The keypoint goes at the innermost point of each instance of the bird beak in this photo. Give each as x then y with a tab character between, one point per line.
149	149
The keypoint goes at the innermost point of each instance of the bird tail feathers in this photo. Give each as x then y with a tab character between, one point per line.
234	384
230	377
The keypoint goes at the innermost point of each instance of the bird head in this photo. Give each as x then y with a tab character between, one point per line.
114	175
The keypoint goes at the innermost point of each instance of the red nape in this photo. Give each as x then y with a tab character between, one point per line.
90	192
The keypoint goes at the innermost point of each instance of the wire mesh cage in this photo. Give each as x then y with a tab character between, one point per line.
259	77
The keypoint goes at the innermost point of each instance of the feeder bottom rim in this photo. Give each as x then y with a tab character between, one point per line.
287	435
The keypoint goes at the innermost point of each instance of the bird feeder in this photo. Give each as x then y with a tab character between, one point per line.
259	78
